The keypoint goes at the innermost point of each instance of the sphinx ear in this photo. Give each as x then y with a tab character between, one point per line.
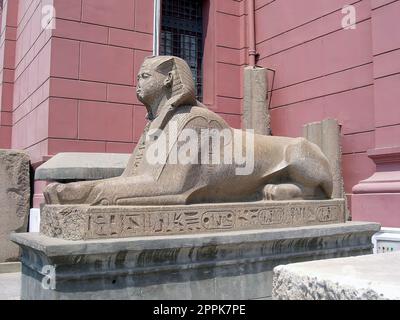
168	80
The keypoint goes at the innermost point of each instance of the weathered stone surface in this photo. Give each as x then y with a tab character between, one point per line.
82	166
280	168
14	200
255	102
326	135
371	277
87	222
225	265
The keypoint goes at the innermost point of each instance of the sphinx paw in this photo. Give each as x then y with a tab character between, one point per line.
51	193
280	192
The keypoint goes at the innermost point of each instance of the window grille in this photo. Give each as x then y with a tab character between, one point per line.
182	35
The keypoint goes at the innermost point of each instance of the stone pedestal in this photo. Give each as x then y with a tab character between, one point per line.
225	265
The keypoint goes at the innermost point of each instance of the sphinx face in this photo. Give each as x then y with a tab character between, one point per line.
150	86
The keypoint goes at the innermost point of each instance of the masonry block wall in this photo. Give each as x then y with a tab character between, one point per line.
31	102
225	57
97	49
7	66
322	71
75	84
378	197
386	53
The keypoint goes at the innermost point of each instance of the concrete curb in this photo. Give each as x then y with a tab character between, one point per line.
10	267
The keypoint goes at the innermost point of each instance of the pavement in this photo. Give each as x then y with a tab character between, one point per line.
10	286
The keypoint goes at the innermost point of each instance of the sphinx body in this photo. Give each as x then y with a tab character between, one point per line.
283	168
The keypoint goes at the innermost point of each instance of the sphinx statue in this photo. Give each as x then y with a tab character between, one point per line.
282	168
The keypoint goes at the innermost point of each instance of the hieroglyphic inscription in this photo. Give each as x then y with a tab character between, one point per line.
217	220
328	213
110	222
104	225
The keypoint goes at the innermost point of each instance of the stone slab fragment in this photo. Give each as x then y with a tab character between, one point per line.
326	134
255	102
370	277
82	166
14	200
94	222
227	265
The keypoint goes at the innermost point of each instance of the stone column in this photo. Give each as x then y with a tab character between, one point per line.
327	135
378	197
255	106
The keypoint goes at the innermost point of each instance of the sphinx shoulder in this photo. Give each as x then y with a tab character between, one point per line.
196	116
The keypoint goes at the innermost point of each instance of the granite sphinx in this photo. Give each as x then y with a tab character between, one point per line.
283	169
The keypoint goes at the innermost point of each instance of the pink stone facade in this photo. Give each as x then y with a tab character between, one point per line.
72	88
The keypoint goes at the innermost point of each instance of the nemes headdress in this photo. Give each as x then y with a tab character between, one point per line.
183	88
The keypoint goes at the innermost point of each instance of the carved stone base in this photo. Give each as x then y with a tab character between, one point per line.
225	265
83	222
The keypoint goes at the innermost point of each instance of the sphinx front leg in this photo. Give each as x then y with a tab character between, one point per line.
70	193
133	188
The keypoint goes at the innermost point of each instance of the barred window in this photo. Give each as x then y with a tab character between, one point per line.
182	35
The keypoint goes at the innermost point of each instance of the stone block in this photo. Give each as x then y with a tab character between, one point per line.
326	135
225	265
14	200
64	118
370	277
114	122
106	64
255	105
82	166
108	14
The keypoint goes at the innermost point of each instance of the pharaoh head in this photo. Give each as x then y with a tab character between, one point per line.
165	78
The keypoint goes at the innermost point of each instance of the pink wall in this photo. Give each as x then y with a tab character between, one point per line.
75	85
224	58
31	80
378	197
96	49
322	71
7	65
